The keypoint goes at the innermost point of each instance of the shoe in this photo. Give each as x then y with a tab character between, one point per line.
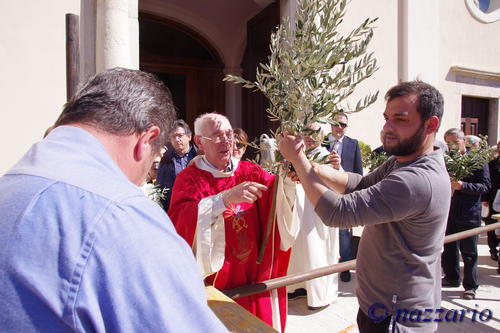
301	292
494	256
316	308
451	284
345	276
469	294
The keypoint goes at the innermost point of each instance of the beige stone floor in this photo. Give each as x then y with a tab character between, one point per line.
341	315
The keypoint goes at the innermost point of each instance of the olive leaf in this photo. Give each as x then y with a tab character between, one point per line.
313	69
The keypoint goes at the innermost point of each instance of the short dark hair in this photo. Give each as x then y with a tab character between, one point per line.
342	114
240	135
181	123
122	101
430	100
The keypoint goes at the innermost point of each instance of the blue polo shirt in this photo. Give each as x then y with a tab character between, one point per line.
82	249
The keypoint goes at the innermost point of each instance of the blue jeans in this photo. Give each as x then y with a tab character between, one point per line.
345	245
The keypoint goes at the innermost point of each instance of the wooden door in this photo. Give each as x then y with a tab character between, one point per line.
475	112
186	63
254	104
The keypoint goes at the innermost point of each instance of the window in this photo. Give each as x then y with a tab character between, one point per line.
486	11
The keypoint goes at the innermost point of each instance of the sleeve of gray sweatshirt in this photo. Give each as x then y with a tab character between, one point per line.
380	197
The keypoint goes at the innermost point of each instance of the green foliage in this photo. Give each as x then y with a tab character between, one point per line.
377	159
313	69
460	165
366	152
371	159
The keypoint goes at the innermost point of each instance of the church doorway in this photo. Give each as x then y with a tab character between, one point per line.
185	62
475	114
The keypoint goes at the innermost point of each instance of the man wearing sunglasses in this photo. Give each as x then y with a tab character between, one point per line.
350	160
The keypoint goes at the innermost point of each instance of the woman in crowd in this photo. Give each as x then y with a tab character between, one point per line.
240	143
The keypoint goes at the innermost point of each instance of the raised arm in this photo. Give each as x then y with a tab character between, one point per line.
291	147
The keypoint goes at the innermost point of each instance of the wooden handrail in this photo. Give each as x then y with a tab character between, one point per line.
318	272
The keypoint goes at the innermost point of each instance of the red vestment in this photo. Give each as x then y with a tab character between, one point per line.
245	225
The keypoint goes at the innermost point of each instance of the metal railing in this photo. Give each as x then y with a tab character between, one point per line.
344	266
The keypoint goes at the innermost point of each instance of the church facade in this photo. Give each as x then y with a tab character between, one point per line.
192	44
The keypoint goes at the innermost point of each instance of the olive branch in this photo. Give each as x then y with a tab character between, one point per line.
313	69
311	72
460	165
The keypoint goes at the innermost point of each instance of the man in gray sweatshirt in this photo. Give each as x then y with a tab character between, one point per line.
403	205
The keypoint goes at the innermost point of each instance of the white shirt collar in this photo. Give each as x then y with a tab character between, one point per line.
202	163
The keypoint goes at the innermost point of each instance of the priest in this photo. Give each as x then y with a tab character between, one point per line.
223	208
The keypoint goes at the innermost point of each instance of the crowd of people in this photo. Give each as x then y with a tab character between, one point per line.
115	261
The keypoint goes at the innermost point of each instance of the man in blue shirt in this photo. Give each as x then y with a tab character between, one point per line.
81	248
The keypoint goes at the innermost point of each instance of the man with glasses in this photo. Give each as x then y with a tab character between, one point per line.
222	206
465	214
176	159
350	160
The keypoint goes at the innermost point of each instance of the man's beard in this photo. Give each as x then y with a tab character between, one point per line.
407	146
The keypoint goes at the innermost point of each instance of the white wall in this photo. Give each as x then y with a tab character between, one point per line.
33	67
467	42
366	125
33	64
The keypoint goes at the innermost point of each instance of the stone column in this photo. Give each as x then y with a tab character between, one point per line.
233	98
133	25
419	40
116	34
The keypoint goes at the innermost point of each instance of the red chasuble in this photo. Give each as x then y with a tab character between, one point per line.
245	225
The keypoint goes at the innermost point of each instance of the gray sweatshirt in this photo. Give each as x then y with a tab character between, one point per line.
404	208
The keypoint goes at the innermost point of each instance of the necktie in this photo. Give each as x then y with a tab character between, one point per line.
336	144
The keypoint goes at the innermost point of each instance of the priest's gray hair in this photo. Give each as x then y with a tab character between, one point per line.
200	123
460	134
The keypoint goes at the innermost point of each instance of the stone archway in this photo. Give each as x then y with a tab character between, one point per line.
186	62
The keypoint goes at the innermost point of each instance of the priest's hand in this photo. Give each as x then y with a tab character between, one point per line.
244	192
290	146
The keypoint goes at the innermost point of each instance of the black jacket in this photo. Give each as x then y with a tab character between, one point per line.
166	173
465	204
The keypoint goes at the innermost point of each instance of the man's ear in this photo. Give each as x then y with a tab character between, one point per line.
145	143
432	125
197	141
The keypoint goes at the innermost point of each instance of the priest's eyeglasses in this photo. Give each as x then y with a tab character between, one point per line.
224	137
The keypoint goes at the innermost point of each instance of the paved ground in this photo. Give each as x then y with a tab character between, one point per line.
340	316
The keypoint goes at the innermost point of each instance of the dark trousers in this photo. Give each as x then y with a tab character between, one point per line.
345	245
366	325
492	237
450	257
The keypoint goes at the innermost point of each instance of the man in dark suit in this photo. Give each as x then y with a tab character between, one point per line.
350	160
465	214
